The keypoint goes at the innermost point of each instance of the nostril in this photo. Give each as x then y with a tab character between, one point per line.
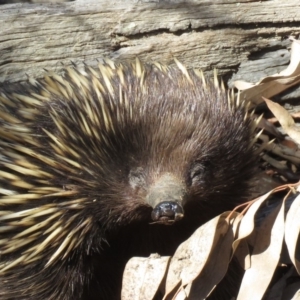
167	212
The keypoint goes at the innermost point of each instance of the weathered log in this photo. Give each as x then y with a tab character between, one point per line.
246	37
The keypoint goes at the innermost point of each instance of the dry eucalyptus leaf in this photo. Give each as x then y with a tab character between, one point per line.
285	119
247	223
268	126
214	269
285	152
181	295
242	254
274	84
265	256
292	229
143	276
192	255
296	296
294	66
292	292
276	291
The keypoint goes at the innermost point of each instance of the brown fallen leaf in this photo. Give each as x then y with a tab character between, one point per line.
292	229
214	269
274	84
275	293
287	153
292	292
242	254
191	256
265	256
247	224
285	119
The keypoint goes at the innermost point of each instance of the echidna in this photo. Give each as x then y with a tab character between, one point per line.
96	163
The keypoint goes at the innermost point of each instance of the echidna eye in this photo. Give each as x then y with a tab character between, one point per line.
198	171
136	178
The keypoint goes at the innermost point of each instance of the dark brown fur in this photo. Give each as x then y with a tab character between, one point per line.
164	123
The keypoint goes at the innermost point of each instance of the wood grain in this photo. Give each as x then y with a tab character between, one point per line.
249	38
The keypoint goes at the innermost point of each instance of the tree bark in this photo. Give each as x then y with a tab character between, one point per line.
243	39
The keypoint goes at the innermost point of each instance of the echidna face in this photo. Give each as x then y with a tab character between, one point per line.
90	153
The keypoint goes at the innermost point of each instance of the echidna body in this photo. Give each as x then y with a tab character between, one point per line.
90	160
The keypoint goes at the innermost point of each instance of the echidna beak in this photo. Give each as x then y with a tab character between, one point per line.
166	196
167	212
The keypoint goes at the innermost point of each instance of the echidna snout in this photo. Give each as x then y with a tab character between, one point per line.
167	212
166	197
